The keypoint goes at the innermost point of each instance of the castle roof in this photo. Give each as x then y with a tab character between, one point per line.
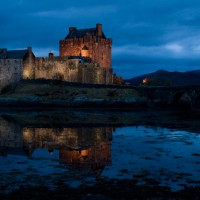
79	33
16	54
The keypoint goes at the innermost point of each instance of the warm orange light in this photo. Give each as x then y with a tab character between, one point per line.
145	81
84	152
26	74
84	53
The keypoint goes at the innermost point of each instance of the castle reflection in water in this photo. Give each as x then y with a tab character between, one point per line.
82	147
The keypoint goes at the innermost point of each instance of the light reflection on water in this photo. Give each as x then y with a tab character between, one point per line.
56	157
163	156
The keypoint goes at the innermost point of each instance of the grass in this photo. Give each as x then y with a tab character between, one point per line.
64	91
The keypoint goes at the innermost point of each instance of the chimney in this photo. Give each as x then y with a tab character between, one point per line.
29	50
4	52
99	29
72	29
51	54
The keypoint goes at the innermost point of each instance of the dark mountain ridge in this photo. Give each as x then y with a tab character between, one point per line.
172	78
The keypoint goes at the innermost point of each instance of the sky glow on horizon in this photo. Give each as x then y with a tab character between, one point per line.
147	35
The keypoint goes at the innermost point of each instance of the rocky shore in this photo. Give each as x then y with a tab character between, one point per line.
49	93
103	190
59	94
79	101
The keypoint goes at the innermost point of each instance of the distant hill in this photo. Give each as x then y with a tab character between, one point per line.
171	78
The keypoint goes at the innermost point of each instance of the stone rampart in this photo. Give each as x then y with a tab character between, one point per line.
10	71
72	70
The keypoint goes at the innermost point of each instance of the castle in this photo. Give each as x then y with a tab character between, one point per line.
85	57
87	148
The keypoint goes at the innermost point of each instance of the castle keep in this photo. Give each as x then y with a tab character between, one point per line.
90	43
85	57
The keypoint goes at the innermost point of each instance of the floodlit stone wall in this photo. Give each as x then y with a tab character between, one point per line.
72	70
97	49
91	62
73	138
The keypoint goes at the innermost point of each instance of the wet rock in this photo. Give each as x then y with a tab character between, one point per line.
124	171
196	154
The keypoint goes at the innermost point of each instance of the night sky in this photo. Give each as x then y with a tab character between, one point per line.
148	35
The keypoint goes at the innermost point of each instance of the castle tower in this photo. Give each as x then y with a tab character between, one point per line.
91	43
28	62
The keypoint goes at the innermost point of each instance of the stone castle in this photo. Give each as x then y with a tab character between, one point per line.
85	57
87	148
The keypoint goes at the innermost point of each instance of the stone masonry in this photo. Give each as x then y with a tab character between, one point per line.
90	43
12	65
71	69
85	57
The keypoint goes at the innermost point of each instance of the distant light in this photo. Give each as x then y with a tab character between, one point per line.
145	81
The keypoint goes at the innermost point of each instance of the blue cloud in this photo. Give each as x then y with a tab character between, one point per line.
147	35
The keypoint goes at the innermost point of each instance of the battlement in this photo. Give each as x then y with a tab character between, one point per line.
88	39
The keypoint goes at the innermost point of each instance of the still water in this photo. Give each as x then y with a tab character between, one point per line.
71	149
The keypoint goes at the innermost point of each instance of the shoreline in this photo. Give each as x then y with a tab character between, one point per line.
89	117
103	189
79	102
59	94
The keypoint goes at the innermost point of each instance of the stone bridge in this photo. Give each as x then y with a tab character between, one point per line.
172	96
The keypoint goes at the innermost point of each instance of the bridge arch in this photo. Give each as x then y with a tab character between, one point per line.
182	99
197	101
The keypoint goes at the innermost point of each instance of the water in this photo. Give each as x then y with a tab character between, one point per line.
62	149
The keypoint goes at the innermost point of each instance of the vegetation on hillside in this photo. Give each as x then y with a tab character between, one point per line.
165	78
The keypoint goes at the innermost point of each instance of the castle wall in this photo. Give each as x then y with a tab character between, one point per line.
10	71
92	158
92	64
99	49
71	70
56	68
60	68
73	138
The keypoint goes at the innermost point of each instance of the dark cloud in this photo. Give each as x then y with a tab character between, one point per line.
147	35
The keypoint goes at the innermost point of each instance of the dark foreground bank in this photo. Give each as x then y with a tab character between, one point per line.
103	189
59	94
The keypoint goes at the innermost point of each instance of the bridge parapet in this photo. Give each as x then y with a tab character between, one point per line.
172	95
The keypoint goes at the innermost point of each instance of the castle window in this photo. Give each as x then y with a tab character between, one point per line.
84	51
